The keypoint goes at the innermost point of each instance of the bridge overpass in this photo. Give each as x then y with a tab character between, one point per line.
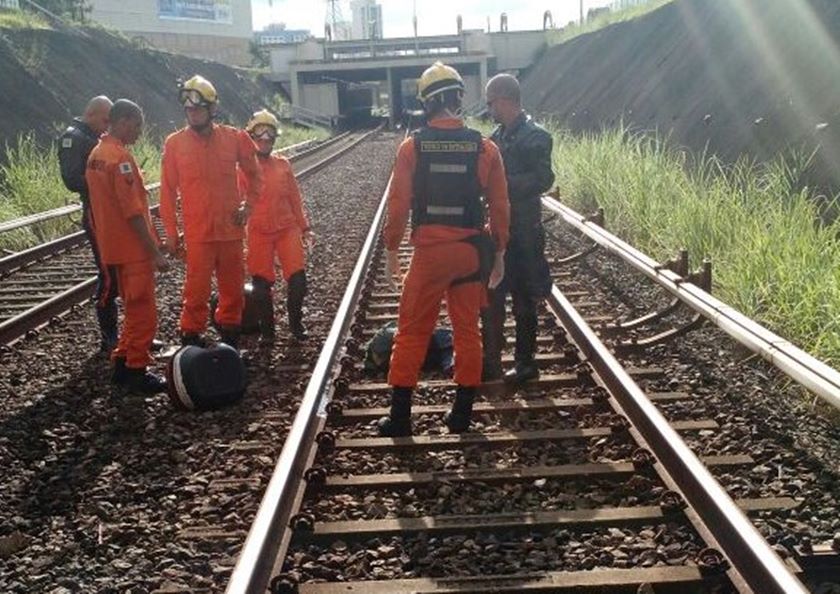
337	80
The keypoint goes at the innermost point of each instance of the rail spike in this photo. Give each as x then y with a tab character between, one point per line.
284	583
712	562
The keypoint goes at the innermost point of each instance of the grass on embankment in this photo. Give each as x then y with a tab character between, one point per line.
30	182
20	19
604	19
772	257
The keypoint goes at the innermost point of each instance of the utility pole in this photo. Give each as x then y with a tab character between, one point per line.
581	13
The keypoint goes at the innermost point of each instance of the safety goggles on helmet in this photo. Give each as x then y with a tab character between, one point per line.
192	98
264	132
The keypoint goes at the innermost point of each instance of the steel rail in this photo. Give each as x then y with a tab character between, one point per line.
15	327
61	211
750	554
805	369
254	567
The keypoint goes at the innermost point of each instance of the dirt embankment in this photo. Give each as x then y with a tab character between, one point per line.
46	77
755	77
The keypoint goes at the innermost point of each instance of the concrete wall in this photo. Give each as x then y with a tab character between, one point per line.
224	41
516	50
321	98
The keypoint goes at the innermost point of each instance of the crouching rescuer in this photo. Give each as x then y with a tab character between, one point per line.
278	227
127	242
440	177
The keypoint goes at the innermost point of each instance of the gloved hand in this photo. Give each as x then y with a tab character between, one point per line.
392	269
240	217
498	272
308	240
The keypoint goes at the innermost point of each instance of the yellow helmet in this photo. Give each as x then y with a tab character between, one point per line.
263	118
198	91
436	79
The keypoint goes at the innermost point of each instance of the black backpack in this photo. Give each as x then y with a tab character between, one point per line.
205	379
438	355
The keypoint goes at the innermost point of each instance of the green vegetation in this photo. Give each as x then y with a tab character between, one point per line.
773	257
604	19
30	182
18	19
294	134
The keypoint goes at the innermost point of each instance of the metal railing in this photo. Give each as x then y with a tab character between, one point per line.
808	371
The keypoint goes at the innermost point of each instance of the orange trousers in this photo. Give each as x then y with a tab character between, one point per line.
203	259
136	282
287	244
430	276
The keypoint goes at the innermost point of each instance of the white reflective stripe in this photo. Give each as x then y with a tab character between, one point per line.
447	168
445	210
180	387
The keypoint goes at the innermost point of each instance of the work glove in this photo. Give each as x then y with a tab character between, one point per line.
498	272
240	217
308	240
392	268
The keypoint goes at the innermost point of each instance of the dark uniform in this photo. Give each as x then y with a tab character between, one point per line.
526	152
74	147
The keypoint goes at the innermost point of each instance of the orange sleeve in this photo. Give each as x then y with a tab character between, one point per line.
249	166
128	187
169	191
400	195
492	174
295	199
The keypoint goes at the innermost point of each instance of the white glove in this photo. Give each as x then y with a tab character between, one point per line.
498	272
392	268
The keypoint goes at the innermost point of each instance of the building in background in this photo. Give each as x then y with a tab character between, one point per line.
278	33
367	19
10	4
217	30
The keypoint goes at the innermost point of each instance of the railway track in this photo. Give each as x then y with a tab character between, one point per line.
575	482
39	285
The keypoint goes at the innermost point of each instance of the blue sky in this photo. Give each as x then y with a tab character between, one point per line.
433	16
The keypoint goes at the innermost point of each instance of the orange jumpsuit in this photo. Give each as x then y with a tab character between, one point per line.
203	169
441	257
117	195
277	223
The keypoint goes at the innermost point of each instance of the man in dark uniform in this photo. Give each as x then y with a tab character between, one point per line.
74	147
526	152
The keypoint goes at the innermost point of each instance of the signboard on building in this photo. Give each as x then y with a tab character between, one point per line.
217	11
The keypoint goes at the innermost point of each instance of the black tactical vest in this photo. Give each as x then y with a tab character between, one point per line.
447	190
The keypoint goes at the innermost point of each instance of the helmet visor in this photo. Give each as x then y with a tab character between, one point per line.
192	98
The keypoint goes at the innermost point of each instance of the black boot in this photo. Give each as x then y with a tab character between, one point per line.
193	339
458	417
230	336
398	423
523	371
119	374
294	304
262	292
141	381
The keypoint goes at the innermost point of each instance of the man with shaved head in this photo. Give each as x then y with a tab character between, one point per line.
74	148
526	152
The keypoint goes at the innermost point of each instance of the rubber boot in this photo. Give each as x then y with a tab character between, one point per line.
459	416
141	381
119	374
493	337
230	336
525	368
294	304
398	422
262	288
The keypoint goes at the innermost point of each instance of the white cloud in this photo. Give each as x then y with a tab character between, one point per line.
434	17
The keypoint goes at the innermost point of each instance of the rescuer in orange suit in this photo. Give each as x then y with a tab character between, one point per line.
277	225
200	164
127	241
439	179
